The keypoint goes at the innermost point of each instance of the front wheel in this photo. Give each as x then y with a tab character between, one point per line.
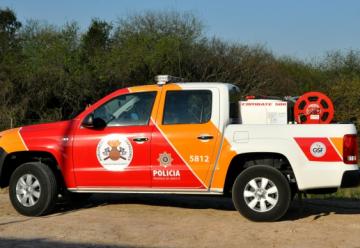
33	189
261	193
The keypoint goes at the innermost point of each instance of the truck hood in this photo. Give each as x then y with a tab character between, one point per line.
57	127
35	136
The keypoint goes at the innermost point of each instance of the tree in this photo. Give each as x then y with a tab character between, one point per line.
154	43
9	25
97	38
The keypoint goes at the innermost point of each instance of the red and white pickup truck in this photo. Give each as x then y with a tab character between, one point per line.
184	138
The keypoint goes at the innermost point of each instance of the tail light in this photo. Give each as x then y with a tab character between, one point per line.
350	149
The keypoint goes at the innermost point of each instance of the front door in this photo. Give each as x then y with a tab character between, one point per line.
117	156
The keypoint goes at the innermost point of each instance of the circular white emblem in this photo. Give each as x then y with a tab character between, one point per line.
318	149
114	152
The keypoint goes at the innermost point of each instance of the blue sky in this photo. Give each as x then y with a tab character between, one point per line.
303	29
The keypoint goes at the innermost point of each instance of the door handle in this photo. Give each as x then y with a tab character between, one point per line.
205	137
140	139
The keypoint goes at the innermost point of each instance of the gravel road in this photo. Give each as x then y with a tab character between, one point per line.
179	221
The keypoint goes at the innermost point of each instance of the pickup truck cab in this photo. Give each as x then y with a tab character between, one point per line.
180	138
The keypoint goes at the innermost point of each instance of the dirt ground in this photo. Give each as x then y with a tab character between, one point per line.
179	221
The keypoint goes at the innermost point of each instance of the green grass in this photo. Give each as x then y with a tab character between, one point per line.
352	193
348	193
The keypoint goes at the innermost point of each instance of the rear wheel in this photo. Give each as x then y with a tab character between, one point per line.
261	193
33	189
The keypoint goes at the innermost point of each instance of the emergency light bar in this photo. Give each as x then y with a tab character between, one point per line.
164	79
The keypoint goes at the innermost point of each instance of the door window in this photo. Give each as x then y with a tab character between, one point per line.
187	107
127	110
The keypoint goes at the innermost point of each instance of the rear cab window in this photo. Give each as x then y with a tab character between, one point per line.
187	107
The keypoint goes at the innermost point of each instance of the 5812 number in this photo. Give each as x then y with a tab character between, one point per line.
199	159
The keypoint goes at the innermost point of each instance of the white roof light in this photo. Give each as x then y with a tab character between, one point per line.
164	79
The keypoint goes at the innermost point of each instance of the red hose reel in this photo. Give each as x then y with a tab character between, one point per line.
313	108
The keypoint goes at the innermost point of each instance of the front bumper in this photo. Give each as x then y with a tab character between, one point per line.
350	179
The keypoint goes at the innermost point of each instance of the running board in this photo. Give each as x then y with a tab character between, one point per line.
144	191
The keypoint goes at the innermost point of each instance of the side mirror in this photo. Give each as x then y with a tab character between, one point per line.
91	122
99	123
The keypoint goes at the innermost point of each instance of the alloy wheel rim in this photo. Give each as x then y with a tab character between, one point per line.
28	190
261	194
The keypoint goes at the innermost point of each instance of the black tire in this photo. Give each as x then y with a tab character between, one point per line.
283	194
294	190
48	189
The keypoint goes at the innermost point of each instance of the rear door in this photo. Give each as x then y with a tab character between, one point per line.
184	142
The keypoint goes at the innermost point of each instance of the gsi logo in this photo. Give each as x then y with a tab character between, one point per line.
318	149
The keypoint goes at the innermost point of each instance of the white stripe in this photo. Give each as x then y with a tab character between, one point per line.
22	139
144	191
150	189
217	190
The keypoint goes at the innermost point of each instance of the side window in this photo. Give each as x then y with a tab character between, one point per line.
127	110
187	107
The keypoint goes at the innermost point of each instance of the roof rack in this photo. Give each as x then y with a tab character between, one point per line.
164	79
